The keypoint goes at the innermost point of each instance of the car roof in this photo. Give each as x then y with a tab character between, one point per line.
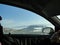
49	7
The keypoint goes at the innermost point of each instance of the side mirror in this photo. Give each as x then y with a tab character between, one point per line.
48	30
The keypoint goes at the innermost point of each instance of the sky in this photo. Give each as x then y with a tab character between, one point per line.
14	16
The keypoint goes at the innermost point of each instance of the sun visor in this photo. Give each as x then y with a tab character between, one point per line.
52	9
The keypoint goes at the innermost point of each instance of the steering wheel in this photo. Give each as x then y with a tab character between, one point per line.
55	38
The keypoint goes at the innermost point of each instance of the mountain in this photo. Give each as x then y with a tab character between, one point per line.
7	30
32	29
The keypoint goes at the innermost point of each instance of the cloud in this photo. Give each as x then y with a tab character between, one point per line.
12	23
7	23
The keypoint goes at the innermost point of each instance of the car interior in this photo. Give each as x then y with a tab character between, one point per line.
48	9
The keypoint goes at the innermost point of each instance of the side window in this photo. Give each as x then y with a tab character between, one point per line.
58	16
20	21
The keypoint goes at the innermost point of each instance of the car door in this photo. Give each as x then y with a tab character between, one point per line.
24	25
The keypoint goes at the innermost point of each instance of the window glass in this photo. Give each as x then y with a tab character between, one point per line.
21	21
58	16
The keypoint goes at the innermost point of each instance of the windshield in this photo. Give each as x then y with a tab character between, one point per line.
21	21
